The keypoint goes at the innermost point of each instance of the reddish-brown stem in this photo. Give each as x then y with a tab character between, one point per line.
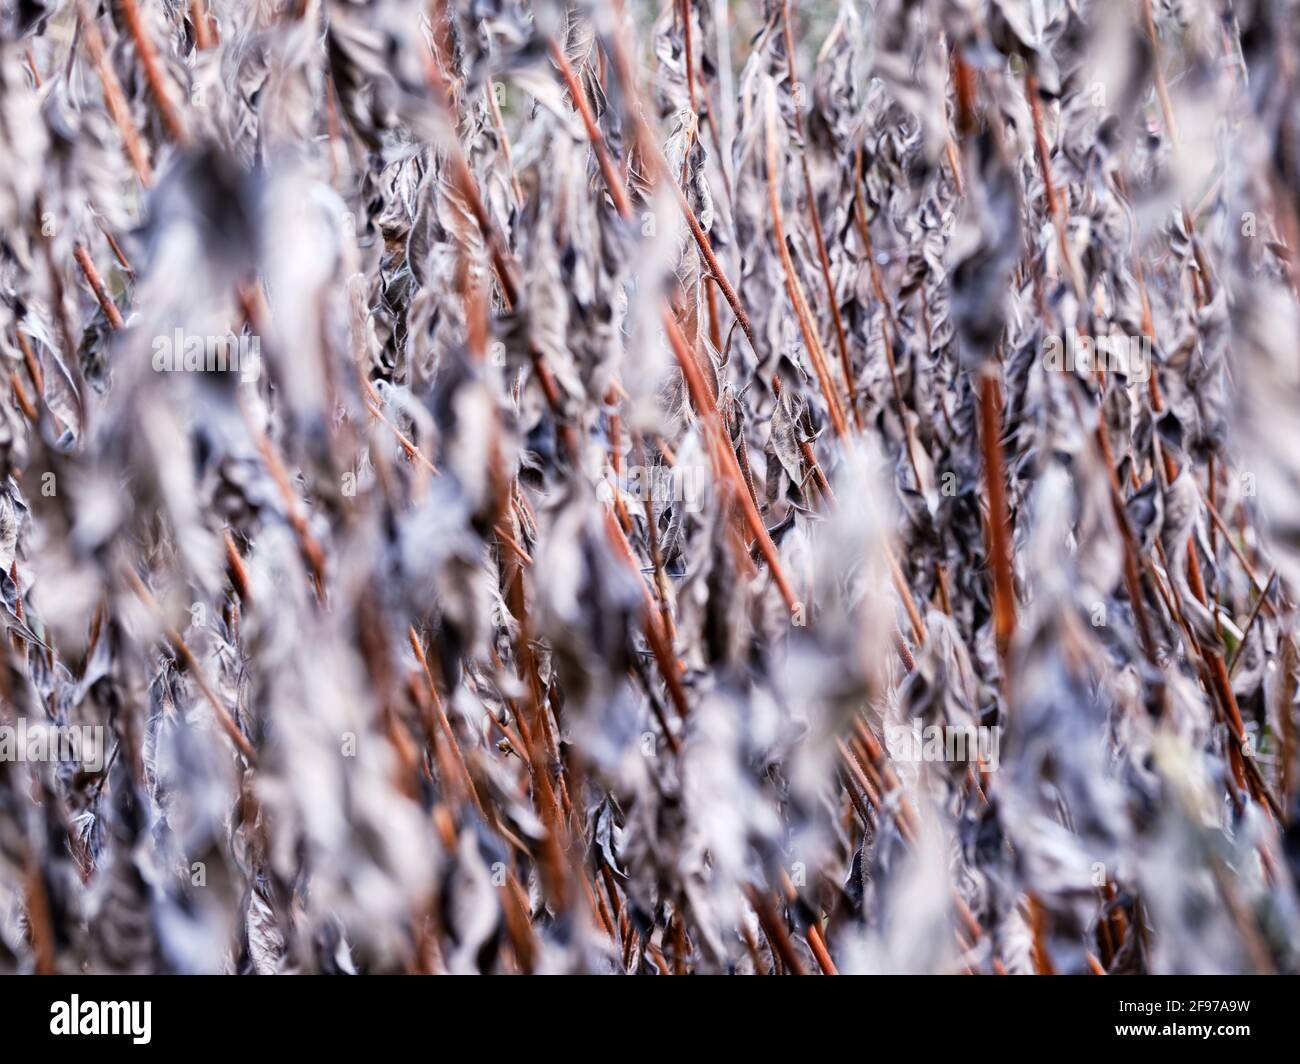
97	287
775	930
238	572
224	719
725	458
701	397
40	925
814	216
1056	205
114	98
148	54
793	287
655	157
23	399
1004	603
202	27
466	781
652	622
613	182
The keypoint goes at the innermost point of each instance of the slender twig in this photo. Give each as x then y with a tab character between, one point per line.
195	670
97	287
793	287
814	216
998	522
114	98
148	55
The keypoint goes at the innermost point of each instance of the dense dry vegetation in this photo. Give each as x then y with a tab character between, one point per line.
647	418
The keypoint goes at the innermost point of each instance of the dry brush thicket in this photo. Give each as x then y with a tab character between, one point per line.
645	415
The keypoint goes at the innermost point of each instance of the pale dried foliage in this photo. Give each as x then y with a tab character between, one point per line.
654	417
